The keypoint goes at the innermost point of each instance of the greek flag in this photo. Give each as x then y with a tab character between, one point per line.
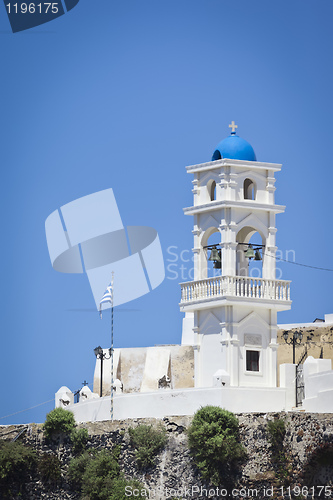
107	297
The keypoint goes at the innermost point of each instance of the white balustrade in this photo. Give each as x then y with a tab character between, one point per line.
235	286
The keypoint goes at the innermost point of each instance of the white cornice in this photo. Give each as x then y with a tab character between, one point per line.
225	162
216	205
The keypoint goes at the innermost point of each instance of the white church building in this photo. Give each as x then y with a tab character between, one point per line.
228	350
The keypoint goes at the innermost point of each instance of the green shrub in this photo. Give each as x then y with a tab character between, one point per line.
122	489
49	468
59	421
276	433
148	441
214	443
79	438
16	463
97	475
77	467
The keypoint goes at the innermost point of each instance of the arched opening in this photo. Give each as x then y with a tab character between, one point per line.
216	155
249	189
250	253
211	244
211	187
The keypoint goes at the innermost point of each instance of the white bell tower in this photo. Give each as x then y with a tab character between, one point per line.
231	308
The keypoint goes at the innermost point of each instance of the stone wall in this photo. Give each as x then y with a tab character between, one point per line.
139	368
317	342
175	474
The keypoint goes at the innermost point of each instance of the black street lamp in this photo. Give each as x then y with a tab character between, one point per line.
101	355
296	339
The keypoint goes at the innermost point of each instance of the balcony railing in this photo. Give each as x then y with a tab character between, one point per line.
235	286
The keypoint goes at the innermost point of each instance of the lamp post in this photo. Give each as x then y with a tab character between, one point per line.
296	339
101	355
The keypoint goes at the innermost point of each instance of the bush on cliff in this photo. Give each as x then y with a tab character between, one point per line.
49	469
77	467
148	441
98	476
276	433
16	464
213	438
59	421
79	438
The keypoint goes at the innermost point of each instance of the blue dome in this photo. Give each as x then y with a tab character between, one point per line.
234	148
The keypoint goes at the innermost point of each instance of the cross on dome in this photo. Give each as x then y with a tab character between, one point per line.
233	127
234	147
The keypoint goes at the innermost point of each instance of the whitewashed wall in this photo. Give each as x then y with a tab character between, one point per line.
181	402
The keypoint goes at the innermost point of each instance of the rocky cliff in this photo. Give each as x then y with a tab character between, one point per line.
308	446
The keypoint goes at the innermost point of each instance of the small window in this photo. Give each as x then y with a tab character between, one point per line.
252	361
213	191
211	187
249	190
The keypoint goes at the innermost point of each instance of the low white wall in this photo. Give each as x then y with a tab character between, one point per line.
157	365
288	381
322	403
313	366
318	382
188	337
162	403
319	393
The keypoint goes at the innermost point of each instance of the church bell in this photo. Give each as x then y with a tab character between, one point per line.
257	255
215	256
249	254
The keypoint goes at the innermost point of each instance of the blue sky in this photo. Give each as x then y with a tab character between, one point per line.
125	95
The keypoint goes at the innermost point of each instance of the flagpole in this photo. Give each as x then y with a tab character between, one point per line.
112	347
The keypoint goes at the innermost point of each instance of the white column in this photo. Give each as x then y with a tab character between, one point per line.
196	189
201	268
228	243
234	358
196	239
232	185
270	188
272	349
242	263
272	363
224	184
269	261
